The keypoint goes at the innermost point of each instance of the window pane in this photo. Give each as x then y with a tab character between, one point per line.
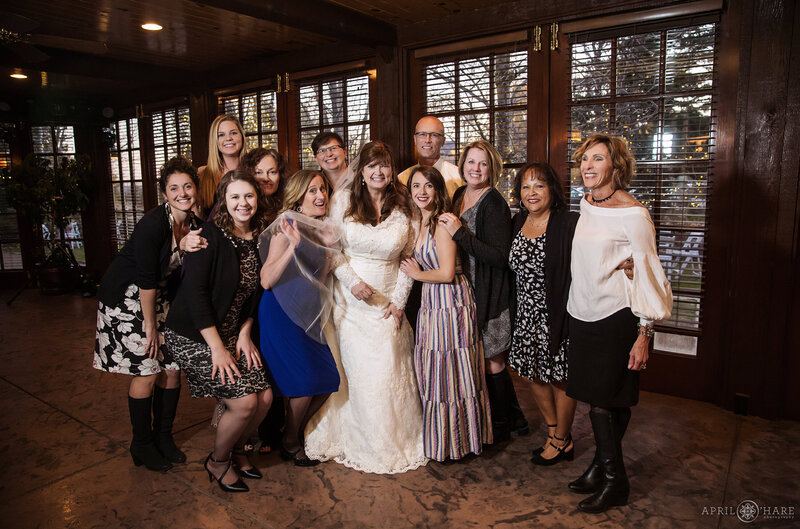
269	111
637	122
474	86
357	136
309	105
440	87
42	140
511	131
12	256
591	69
332	102
690	58
687	127
358	99
511	79
249	116
474	127
638	63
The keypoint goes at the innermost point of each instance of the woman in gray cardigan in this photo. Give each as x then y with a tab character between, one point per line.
481	226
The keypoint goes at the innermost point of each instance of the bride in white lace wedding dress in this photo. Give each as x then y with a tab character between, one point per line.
374	422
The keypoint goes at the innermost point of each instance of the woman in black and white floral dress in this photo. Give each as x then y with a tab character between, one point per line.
540	259
134	296
209	329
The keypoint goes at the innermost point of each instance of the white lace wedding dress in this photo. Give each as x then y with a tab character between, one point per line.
374	422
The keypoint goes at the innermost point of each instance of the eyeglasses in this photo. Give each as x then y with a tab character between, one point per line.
425	135
332	149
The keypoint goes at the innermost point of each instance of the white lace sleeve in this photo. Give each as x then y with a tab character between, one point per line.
341	266
402	287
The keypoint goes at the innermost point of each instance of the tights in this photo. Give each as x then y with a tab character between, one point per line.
299	412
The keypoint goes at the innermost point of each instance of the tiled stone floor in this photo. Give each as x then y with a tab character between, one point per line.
63	449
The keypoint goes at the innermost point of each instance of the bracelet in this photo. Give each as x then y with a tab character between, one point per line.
645	330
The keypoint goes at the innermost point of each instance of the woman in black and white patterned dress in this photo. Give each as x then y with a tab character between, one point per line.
540	259
209	329
134	296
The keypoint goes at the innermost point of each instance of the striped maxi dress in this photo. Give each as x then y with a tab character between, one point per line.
448	358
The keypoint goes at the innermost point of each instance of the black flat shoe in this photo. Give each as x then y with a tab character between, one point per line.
238	486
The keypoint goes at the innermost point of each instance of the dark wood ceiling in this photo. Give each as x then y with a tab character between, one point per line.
95	48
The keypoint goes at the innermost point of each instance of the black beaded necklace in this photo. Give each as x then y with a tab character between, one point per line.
596	201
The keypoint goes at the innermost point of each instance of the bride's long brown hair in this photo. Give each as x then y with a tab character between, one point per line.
361	209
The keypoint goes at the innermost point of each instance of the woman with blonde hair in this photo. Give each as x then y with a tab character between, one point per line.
481	226
296	305
610	318
226	149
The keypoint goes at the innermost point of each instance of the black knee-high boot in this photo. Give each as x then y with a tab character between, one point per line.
165	405
499	404
143	449
591	480
615	487
519	424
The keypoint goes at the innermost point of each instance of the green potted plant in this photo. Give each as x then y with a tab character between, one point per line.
46	194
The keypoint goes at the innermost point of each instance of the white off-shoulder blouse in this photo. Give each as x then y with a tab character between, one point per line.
604	237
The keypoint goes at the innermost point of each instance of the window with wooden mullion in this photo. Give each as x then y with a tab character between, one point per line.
127	185
10	248
483	96
339	104
171	138
54	142
258	113
656	90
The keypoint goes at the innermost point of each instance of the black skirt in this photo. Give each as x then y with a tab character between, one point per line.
598	361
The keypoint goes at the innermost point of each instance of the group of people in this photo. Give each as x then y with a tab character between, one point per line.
302	287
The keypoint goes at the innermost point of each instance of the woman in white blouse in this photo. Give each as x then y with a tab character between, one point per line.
611	318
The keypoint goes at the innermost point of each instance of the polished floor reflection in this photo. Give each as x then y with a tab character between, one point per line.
64	433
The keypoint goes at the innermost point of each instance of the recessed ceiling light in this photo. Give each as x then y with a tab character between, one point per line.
152	26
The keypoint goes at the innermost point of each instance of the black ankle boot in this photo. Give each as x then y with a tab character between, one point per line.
165	404
499	405
143	449
615	486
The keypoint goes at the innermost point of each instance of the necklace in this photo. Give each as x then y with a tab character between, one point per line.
596	201
538	224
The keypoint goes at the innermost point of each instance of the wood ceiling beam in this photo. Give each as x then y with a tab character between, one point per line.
315	16
88	65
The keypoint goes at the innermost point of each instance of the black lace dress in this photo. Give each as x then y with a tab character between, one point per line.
195	358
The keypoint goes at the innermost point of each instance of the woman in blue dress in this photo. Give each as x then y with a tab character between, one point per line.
296	304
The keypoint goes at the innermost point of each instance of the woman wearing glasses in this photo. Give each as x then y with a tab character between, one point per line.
331	155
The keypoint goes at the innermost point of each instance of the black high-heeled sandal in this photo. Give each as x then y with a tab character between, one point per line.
569	455
238	486
249	473
539	450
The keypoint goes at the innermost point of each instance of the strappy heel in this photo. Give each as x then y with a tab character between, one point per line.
238	486
249	473
541	448
569	455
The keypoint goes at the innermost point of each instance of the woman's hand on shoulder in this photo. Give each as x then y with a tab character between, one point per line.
410	267
362	291
193	241
450	222
393	311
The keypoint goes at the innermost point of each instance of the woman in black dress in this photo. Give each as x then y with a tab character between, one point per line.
135	295
540	255
209	330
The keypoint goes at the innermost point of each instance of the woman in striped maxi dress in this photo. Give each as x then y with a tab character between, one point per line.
448	355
